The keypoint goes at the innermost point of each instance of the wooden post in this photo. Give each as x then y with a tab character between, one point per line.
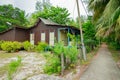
83	46
62	64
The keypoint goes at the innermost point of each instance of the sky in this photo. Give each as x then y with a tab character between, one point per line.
29	5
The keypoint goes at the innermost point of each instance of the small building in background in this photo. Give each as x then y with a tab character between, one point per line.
43	31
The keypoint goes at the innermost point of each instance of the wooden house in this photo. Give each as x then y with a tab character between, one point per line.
49	32
43	31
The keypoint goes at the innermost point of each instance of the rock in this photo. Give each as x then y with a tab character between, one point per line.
31	66
44	77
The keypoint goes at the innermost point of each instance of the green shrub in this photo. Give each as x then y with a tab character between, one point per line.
13	66
54	61
1	44
88	49
41	46
114	45
58	48
10	46
53	64
71	53
28	46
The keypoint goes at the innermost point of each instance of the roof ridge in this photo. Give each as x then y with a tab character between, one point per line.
48	21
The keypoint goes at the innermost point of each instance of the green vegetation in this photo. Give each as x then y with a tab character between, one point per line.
53	64
10	16
62	58
4	55
1	44
13	66
10	46
41	46
89	36
56	14
71	53
106	18
28	46
116	55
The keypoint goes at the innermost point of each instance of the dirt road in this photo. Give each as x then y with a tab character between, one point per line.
103	67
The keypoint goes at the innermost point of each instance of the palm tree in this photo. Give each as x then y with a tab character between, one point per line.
106	17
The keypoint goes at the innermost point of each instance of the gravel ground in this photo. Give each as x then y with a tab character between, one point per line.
103	67
31	69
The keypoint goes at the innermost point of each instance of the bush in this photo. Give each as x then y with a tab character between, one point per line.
28	46
58	48
1	44
13	66
71	53
10	46
114	45
88	49
53	64
41	46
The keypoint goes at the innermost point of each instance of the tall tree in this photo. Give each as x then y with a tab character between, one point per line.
89	35
107	16
56	14
97	7
40	5
10	16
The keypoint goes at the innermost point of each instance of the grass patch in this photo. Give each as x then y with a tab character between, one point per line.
8	55
3	69
115	55
13	66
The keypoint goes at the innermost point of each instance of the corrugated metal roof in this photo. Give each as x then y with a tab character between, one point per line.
48	22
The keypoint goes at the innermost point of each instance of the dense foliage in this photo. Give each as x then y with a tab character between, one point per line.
1	44
65	56
28	46
10	46
89	35
41	46
53	64
107	19
56	14
11	16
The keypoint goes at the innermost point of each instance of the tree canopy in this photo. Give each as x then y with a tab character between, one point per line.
106	17
56	14
10	16
41	5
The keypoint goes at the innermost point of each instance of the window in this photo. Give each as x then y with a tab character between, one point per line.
32	38
42	37
51	38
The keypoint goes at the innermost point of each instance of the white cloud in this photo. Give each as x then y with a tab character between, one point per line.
2	2
27	5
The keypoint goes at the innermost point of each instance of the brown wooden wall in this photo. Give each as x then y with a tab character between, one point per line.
40	28
15	34
8	36
21	35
